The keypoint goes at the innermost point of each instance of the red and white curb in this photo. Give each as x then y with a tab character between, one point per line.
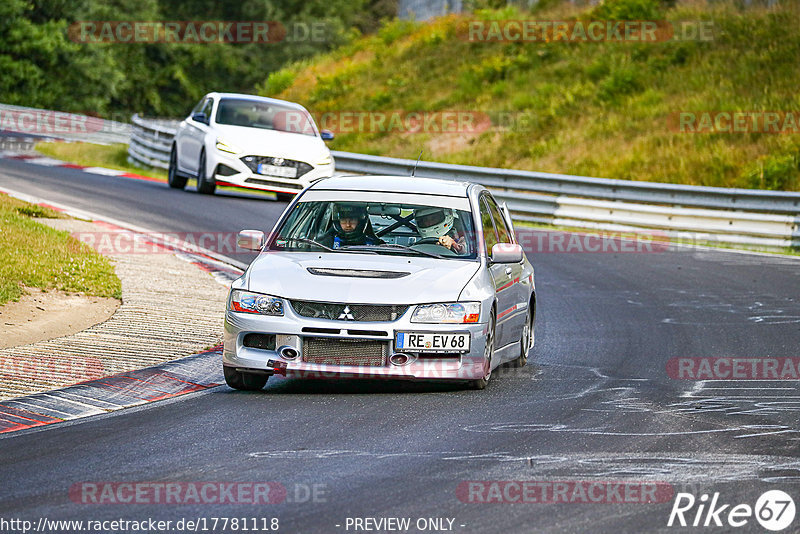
222	268
194	373
187	375
50	162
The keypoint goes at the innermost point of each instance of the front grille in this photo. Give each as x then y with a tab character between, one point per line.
357	312
338	351
252	163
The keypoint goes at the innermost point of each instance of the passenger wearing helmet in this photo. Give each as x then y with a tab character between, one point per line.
351	226
438	223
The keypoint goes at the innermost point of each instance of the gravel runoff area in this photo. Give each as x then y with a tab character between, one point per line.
171	308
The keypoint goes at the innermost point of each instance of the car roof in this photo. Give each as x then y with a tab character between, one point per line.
257	98
394	184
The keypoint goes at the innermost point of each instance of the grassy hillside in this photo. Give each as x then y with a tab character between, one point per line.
597	109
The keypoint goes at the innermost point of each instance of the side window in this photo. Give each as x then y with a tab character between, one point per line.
207	108
199	106
489	233
499	221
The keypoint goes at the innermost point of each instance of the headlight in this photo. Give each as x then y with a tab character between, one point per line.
226	146
244	301
452	312
326	160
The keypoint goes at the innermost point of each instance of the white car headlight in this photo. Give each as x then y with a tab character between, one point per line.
325	160
244	301
225	146
448	312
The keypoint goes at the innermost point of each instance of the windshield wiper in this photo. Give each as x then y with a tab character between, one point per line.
326	248
396	247
308	241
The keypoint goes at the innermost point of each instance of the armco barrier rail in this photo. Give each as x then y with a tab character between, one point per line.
58	125
768	219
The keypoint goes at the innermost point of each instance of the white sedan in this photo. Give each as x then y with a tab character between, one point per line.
249	141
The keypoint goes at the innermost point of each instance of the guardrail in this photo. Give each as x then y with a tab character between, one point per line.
45	124
753	217
151	141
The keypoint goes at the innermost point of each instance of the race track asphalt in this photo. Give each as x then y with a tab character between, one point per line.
595	402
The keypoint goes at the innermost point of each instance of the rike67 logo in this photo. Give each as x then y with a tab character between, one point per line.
774	510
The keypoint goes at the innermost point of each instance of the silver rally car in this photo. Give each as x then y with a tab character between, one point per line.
382	277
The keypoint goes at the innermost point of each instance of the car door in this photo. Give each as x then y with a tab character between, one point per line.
500	275
194	137
517	309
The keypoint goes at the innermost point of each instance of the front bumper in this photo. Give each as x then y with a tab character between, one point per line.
243	176
289	332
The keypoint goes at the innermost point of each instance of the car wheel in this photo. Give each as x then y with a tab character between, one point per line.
488	353
205	184
525	342
244	381
173	178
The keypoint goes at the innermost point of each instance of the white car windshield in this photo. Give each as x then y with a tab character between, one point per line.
379	228
264	115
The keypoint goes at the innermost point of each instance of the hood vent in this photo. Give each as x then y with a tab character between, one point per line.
356	273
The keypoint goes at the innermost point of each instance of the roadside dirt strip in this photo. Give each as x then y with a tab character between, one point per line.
173	307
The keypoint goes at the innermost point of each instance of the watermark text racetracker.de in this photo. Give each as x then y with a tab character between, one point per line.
553	242
587	31
199	31
735	122
563	492
202	492
43	122
734	368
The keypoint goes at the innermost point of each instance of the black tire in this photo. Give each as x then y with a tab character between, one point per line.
526	341
175	180
205	185
284	197
481	383
244	381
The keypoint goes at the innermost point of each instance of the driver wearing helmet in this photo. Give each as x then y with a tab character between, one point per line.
438	223
351	226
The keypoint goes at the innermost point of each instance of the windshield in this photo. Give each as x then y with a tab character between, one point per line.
265	115
379	228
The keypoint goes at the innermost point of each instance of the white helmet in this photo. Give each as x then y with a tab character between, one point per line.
433	222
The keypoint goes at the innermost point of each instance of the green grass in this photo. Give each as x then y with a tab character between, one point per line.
91	155
592	109
35	255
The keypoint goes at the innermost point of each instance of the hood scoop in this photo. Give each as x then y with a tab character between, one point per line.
357	273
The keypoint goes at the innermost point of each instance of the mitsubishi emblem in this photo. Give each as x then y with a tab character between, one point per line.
346	315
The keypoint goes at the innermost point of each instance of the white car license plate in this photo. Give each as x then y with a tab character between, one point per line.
274	170
432	342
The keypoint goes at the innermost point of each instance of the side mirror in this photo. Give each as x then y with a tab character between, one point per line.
200	117
506	253
250	239
326	135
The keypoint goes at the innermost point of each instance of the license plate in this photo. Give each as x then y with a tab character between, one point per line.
274	170
432	342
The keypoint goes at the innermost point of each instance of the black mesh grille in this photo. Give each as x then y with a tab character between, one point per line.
334	351
354	312
268	183
252	163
